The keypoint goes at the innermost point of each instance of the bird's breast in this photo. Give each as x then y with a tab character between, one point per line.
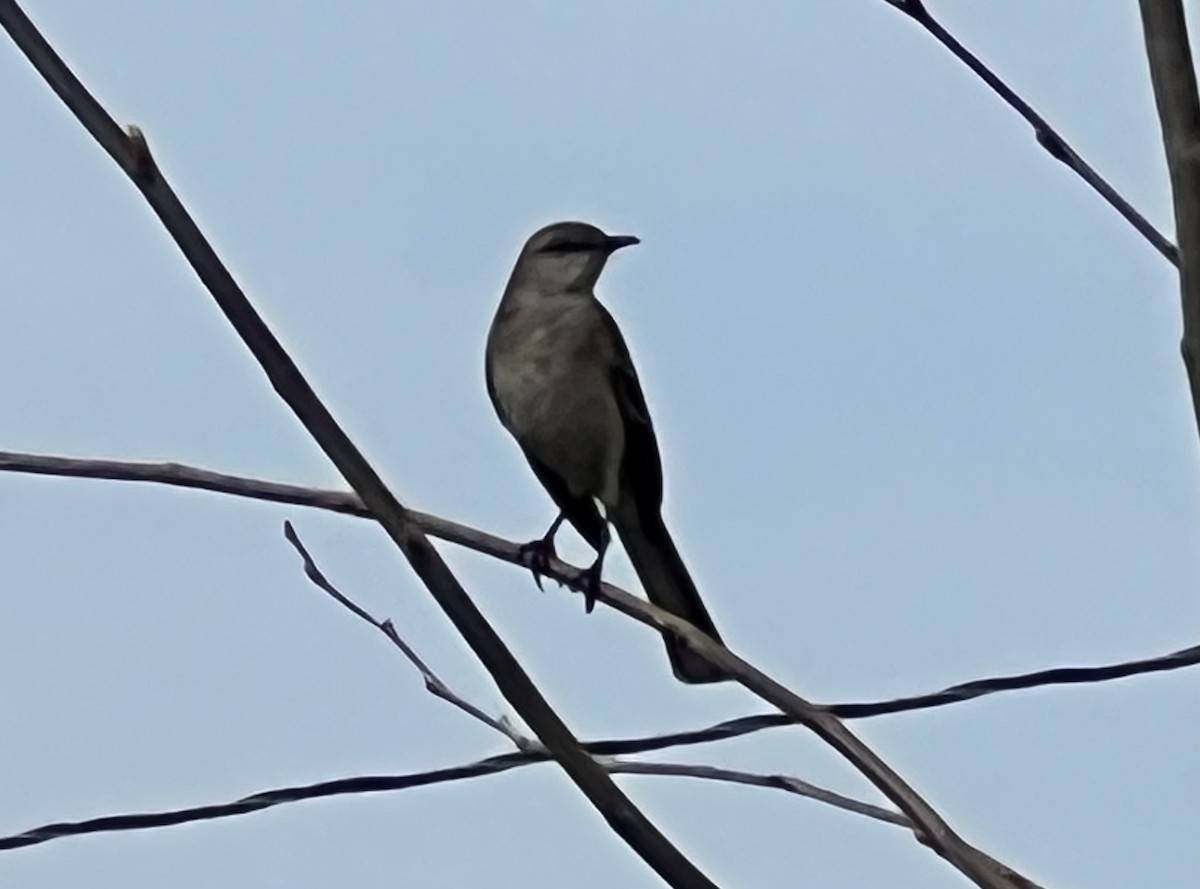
554	394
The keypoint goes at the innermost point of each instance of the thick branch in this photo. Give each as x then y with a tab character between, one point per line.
1174	80
133	156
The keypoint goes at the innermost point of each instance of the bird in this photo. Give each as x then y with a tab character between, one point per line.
562	381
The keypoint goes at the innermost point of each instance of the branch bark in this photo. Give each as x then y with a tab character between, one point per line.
1174	79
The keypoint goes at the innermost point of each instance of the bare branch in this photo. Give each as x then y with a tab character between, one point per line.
347	503
133	156
611	764
178	475
433	684
1174	78
775	782
384	783
175	474
1049	138
529	754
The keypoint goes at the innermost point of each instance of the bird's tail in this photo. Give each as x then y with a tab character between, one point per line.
669	586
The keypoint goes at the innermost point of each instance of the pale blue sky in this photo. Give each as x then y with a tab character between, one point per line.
917	389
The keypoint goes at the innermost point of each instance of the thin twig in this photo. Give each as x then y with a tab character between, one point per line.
786	783
1047	137
433	683
384	783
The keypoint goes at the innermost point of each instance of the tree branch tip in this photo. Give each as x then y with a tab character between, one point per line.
144	170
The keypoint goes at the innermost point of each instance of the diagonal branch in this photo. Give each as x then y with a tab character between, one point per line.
433	683
529	753
438	688
133	156
991	873
1049	138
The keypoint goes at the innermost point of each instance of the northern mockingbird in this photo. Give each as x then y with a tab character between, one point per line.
561	379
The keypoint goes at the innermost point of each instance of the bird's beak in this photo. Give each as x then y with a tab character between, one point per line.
616	242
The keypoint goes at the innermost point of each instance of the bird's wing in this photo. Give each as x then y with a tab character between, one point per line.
641	468
638	519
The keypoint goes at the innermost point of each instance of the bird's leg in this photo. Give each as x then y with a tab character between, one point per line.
589	580
537	553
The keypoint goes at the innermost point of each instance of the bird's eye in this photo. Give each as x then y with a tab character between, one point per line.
560	245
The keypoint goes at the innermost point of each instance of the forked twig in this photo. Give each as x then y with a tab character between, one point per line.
433	683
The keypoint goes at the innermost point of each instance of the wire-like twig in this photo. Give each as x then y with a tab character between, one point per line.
1047	137
265	800
966	691
384	783
733	728
347	503
745	725
441	689
529	753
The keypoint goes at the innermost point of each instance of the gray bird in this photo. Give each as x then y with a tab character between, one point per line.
561	379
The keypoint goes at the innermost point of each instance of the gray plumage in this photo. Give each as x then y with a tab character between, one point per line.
563	383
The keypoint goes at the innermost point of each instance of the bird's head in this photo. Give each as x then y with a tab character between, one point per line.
566	257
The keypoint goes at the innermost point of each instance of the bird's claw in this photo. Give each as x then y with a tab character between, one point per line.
589	584
536	556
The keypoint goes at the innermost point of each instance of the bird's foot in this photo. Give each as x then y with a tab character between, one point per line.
588	583
536	556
